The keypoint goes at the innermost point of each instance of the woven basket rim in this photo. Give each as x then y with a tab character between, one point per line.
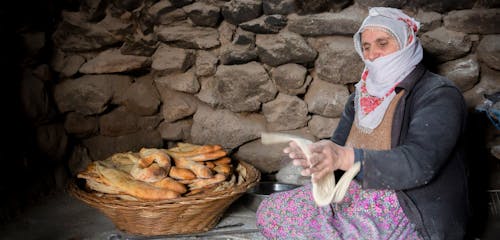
113	201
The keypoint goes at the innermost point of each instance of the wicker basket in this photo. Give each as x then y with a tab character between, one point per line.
185	215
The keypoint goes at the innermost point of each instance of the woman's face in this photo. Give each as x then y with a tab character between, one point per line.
377	43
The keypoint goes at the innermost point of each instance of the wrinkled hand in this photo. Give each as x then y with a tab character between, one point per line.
326	157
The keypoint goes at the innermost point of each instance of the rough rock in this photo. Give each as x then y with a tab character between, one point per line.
285	113
326	99
223	127
284	47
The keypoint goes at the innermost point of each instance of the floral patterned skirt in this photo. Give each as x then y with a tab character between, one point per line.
363	214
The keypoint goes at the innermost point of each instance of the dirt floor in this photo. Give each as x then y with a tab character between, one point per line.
64	217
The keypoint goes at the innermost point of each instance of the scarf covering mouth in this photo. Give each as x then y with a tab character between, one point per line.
376	88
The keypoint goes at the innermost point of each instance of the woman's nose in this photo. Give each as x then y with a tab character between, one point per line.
372	55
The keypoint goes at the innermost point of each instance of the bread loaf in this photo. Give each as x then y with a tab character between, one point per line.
171	184
181	173
153	173
200	170
139	189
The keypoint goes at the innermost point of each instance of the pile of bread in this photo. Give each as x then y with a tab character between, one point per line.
158	174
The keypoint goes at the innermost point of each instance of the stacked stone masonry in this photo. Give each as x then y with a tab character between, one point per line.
141	73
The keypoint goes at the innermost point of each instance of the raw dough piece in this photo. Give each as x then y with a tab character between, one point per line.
324	190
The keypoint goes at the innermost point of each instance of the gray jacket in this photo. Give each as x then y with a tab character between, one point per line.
426	164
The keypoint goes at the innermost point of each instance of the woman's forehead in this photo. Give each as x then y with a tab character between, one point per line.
378	32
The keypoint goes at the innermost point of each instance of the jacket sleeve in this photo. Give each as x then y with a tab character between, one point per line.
342	131
435	124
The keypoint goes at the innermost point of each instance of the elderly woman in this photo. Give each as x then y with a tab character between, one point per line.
404	125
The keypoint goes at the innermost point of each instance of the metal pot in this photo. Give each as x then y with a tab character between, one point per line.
261	190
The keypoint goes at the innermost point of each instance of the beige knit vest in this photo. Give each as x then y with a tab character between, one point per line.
380	137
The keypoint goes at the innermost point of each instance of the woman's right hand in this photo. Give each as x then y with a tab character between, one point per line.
296	154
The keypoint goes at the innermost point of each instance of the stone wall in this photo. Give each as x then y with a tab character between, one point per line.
129	74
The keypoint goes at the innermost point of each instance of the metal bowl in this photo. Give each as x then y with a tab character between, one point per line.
261	190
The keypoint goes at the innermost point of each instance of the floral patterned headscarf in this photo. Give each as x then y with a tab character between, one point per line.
376	88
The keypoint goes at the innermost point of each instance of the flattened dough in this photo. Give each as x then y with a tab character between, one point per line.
325	191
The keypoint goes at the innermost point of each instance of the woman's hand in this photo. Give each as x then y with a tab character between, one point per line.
326	157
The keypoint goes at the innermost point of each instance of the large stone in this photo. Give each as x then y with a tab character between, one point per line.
186	36
479	20
101	147
323	127
182	82
488	51
71	65
381	3
177	105
464	72
326	99
285	113
120	26
283	7
265	24
75	34
87	95
90	94
118	122
168	59
119	85
291	78
241	88
489	83
167	18
242	37
81	125
345	22
428	5
338	61
139	45
309	7
176	131
142	97
203	14
428	20
238	11
149	122
445	45
237	54
161	8
269	158
113	61
226	31
205	64
223	127
285	47
67	64
208	92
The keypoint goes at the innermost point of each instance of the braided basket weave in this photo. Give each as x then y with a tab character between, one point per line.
184	215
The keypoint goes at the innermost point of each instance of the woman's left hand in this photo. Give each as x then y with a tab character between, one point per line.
327	157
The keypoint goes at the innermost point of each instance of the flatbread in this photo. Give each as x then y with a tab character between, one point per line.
325	191
126	184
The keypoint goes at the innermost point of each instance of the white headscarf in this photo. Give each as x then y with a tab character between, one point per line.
384	73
